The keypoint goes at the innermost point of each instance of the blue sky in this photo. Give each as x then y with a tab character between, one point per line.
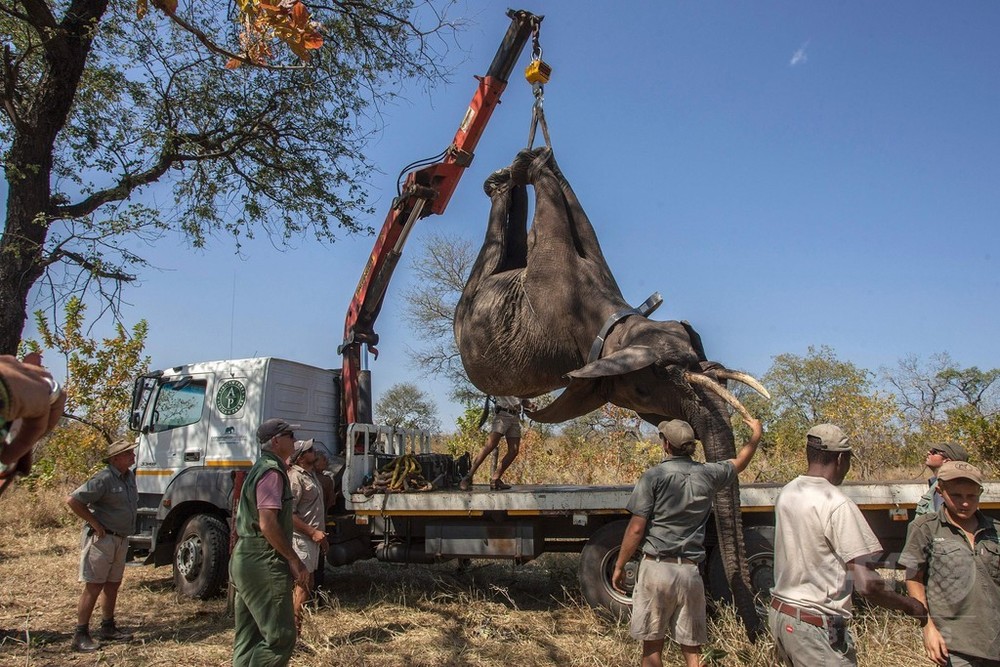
786	174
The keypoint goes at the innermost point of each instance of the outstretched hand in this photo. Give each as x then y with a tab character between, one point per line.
35	404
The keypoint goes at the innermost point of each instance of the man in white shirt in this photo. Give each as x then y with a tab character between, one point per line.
823	547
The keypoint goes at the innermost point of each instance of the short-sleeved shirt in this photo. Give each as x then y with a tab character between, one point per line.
675	498
307	497
930	501
818	530
962	580
112	498
269	490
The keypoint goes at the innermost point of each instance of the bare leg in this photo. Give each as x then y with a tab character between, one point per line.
109	600
692	655
513	447
88	598
492	441
299	597
651	653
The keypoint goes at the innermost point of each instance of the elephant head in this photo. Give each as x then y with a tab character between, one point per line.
542	311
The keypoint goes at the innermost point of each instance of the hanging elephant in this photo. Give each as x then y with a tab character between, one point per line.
541	311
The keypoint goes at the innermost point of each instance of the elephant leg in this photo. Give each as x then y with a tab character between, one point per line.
710	420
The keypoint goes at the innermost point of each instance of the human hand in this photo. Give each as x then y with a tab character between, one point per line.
35	404
617	578
935	645
99	530
756	429
300	575
318	536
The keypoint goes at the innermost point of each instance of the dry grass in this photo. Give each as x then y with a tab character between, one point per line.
489	615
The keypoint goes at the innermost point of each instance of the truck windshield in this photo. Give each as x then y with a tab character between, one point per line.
178	403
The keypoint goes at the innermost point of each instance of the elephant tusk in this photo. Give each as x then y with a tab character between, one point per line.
746	379
712	385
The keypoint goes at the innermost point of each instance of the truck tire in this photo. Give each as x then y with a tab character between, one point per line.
759	541
201	557
597	564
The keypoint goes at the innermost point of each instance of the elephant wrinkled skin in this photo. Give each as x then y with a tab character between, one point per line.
532	308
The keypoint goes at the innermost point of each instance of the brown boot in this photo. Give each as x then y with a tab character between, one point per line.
82	641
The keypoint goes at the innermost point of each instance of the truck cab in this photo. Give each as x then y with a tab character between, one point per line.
197	427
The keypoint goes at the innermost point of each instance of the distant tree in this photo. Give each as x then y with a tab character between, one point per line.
441	266
98	104
818	387
403	405
941	400
99	380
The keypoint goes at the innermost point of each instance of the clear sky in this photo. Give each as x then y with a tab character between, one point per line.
786	174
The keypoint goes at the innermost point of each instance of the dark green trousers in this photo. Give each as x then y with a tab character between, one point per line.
265	621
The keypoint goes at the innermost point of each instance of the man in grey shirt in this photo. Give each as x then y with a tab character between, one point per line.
108	502
670	506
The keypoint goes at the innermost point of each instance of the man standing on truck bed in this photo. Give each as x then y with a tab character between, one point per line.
823	547
952	561
308	520
264	564
670	506
507	425
937	456
108	502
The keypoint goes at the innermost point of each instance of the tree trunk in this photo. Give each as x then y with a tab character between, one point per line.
41	116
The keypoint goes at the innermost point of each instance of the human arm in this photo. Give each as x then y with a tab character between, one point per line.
271	529
304	528
749	448
29	394
874	588
634	533
82	511
934	644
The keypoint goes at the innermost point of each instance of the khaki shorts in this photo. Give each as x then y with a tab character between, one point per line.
307	550
669	601
507	424
102	560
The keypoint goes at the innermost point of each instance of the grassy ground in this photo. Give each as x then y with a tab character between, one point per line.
490	615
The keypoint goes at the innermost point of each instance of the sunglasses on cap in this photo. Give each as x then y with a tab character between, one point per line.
936	451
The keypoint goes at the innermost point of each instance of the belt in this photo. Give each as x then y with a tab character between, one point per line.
669	559
805	616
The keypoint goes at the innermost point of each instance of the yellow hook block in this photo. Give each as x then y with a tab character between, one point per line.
538	71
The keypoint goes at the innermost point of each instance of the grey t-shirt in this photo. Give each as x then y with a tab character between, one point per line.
675	498
112	498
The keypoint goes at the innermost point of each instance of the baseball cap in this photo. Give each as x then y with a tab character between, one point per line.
677	432
301	447
953	451
119	446
960	470
273	427
827	437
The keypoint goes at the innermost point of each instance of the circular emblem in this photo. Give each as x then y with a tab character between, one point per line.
231	397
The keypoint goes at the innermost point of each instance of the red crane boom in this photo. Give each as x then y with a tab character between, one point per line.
426	191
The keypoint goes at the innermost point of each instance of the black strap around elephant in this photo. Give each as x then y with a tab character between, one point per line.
644	309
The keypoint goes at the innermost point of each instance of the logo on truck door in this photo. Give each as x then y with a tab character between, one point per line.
231	397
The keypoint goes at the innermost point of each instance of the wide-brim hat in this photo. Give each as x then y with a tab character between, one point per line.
119	446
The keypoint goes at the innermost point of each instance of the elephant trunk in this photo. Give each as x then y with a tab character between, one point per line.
710	420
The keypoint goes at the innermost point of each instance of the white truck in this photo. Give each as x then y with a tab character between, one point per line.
197	427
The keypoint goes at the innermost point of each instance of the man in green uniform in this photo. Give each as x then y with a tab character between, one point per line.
937	456
952	561
264	564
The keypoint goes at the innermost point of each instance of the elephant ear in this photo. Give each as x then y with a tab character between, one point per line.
631	358
579	398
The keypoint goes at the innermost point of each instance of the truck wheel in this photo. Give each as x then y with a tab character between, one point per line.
597	564
759	541
200	557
